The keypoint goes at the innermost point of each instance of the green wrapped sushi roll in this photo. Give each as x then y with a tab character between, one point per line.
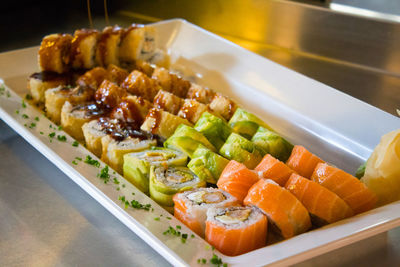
137	165
271	143
214	128
242	150
187	139
165	182
207	164
246	123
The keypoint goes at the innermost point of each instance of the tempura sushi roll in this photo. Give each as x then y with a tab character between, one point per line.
236	230
137	165
214	128
200	94
56	97
270	142
242	150
93	131
167	101
246	123
54	53
144	66
139	84
223	106
132	110
323	205
171	82
192	110
109	94
92	78
83	49
138	43
39	82
162	123
191	206
355	193
74	116
107	51
165	182
236	179
207	164
303	161
114	150
187	139
274	169
284	211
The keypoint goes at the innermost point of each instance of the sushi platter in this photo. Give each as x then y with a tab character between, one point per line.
208	152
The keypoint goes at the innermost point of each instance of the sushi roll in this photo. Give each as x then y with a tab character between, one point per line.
56	97
74	116
171	82
242	150
92	78
284	211
187	139
190	207
349	188
137	43
131	110
116	74
200	94
323	205
207	164
137	165
109	94
167	101
107	51
54	53
302	161
274	169
246	123
93	131
39	82
237	179
83	49
236	230
144	66
270	142
214	128
223	106
162	123
192	110
114	150
140	84
165	182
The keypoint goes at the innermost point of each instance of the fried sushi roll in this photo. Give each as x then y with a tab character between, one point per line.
270	142
140	84
137	165
54	53
223	106
192	110
137	43
167	101
165	182
116	74
109	94
214	128
93	131
114	150
287	215
56	97
107	51
246	123
190	207
93	78
162	123
144	66
83	49
39	82
236	230
200	94
171	82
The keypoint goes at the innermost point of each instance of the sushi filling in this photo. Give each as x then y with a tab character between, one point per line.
175	178
234	216
155	156
201	197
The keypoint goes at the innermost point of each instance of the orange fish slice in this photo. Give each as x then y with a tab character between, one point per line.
302	161
274	169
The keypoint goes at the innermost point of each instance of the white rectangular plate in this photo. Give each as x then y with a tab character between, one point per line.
340	129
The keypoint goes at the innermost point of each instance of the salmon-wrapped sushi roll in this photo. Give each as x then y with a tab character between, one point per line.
107	51
237	179
167	101
54	53
274	169
323	205
282	208
236	230
191	206
137	42
171	82
83	49
346	186
303	161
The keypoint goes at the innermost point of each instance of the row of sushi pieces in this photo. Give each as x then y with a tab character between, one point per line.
89	48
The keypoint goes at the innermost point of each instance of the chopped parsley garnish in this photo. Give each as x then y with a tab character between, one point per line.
74	162
36	118
25	116
201	261
192	236
217	261
23	104
51	135
75	143
8	94
41	133
17	111
28	97
137	205
133	193
33	125
78	158
123	185
169	218
91	161
60	128
104	174
61	138
115	180
175	231
157	218
118	188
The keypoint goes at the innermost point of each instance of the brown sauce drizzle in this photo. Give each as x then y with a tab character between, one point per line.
91	109
79	36
156	115
102	42
189	109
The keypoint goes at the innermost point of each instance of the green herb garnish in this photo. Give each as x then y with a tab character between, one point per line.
51	135
33	125
74	162
25	116
115	180
17	111
104	173
157	218
41	133
61	138
78	158
60	128
28	97
91	161
75	143
36	118
23	104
